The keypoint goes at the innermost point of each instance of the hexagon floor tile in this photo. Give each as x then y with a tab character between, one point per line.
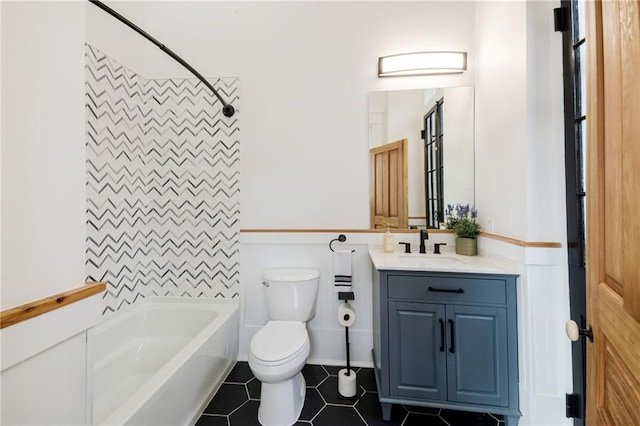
236	403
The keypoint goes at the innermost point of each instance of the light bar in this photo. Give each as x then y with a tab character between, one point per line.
422	63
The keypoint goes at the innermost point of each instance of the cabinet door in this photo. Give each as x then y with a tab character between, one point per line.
417	350
477	364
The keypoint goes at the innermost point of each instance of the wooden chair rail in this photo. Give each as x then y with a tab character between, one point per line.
29	310
514	241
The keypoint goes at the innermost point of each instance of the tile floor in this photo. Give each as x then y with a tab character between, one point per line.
237	401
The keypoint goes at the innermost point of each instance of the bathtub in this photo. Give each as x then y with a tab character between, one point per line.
160	361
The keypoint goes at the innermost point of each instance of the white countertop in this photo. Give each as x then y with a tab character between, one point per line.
445	262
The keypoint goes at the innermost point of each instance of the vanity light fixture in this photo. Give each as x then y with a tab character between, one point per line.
422	63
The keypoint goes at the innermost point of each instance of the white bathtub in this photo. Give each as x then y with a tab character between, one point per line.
159	362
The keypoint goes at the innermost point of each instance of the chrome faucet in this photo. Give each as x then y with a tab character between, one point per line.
424	235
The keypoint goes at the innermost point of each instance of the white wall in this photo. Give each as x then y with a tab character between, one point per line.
44	371
459	153
519	117
377	118
43	167
546	210
501	117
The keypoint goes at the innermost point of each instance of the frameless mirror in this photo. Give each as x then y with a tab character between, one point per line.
421	148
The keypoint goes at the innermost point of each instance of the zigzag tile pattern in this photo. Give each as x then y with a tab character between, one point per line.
117	238
192	154
162	185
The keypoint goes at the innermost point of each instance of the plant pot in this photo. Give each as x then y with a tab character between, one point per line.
466	246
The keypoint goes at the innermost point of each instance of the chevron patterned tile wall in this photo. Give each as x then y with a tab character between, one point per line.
162	185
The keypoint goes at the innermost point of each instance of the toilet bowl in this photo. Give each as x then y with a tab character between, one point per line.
277	354
279	350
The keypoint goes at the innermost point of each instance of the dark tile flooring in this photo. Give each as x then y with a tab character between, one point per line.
237	401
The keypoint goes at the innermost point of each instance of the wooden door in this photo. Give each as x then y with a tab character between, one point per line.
613	212
389	185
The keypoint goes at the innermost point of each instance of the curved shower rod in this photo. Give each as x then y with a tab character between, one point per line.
227	109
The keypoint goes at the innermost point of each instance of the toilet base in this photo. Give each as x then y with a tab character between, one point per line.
281	403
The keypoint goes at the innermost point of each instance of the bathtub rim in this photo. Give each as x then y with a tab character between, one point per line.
130	310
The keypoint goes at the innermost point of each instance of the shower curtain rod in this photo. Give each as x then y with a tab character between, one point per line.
227	109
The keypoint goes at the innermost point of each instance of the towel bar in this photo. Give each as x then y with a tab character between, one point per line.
342	238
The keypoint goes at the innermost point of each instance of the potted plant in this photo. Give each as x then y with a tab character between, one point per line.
462	220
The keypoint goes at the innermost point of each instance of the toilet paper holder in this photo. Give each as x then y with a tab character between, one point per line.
346	296
347	379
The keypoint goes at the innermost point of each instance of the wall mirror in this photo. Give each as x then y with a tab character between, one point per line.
421	149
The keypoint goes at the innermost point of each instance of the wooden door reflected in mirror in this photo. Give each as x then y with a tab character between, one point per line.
389	185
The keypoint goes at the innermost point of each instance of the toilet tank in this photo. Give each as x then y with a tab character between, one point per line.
290	294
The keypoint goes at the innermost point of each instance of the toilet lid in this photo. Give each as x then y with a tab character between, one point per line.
279	340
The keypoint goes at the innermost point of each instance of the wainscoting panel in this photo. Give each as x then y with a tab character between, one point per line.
162	185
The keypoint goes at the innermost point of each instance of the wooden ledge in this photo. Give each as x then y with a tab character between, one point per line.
29	310
514	241
341	231
521	243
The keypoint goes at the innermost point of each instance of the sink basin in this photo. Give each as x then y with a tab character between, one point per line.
446	262
429	260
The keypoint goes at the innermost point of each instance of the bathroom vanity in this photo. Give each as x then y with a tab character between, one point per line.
445	333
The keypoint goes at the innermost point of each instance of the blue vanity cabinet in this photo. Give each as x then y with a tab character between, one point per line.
446	340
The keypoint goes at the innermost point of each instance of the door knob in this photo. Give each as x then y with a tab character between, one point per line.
574	332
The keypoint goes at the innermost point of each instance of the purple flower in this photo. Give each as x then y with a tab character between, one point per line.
463	222
462	210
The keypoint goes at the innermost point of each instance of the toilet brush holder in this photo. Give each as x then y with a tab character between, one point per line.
347	383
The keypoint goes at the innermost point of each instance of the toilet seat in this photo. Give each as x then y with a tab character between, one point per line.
279	342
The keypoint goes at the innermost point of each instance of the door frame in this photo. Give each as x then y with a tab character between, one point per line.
574	204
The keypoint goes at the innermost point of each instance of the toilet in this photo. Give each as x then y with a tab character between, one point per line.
279	350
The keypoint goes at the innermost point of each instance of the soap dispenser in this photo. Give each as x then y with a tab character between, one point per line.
387	240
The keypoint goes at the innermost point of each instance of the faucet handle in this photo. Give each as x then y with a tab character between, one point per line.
407	247
436	247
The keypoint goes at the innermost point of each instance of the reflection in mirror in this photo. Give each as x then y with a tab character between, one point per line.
438	127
